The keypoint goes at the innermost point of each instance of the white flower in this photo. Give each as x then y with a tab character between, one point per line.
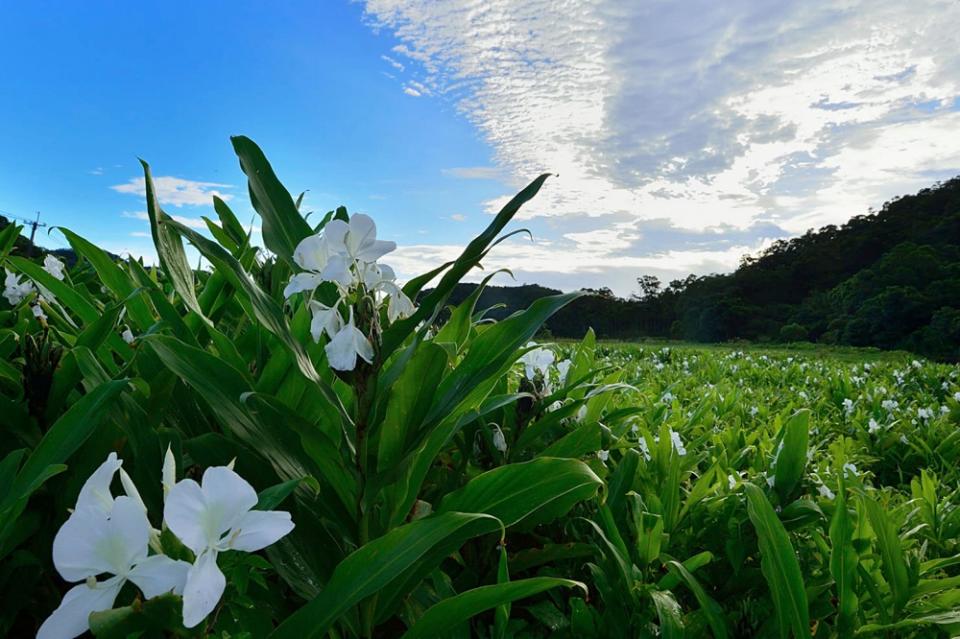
104	535
644	448
848	406
128	336
924	413
753	411
850	468
499	441
320	265
326	319
169	472
604	455
357	239
53	266
536	360
677	443
399	305
15	290
213	517
825	491
346	345
563	368
771	480
38	312
873	426
956	396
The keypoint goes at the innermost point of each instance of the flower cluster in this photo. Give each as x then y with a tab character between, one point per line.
15	290
346	254
107	535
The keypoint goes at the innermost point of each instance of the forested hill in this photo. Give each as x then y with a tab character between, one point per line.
889	279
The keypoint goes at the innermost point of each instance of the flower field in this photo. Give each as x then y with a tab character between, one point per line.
300	445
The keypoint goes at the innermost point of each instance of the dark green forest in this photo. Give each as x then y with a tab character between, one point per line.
890	279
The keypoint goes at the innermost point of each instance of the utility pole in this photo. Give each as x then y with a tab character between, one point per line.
34	225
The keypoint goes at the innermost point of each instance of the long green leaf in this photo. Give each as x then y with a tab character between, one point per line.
780	566
373	566
447	614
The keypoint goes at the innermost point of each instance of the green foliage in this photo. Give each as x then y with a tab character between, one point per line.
446	488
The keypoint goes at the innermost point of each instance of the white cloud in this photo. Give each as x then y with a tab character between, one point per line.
475	172
177	191
96	171
411	92
139	234
703	113
458	217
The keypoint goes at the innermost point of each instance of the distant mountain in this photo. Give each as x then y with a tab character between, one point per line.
890	279
24	247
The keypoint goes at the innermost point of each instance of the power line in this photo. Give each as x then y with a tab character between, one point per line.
33	224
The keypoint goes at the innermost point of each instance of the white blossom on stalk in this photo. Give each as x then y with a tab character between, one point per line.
563	368
319	265
38	312
346	345
356	239
326	319
499	441
212	517
537	360
128	336
15	290
677	443
53	266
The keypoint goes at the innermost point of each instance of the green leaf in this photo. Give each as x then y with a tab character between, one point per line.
444	616
780	566
65	437
792	456
471	256
173	259
891	553
532	492
669	614
711	609
270	498
843	563
159	616
283	226
375	565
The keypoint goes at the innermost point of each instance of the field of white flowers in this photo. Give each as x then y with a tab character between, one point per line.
294	444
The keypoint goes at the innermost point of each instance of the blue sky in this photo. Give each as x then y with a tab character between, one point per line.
680	144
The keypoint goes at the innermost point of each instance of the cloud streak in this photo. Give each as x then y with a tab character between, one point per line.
176	191
705	114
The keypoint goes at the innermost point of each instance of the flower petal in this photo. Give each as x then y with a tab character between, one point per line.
182	512
260	528
302	282
363	233
325	319
95	492
341	350
311	253
375	250
335	233
158	574
76	553
337	270
129	534
228	497
71	618
205	585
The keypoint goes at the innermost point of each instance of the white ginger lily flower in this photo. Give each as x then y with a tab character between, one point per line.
313	255
563	368
357	239
399	305
346	345
15	290
128	336
53	266
168	473
38	312
104	535
326	319
499	441
537	360
212	517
